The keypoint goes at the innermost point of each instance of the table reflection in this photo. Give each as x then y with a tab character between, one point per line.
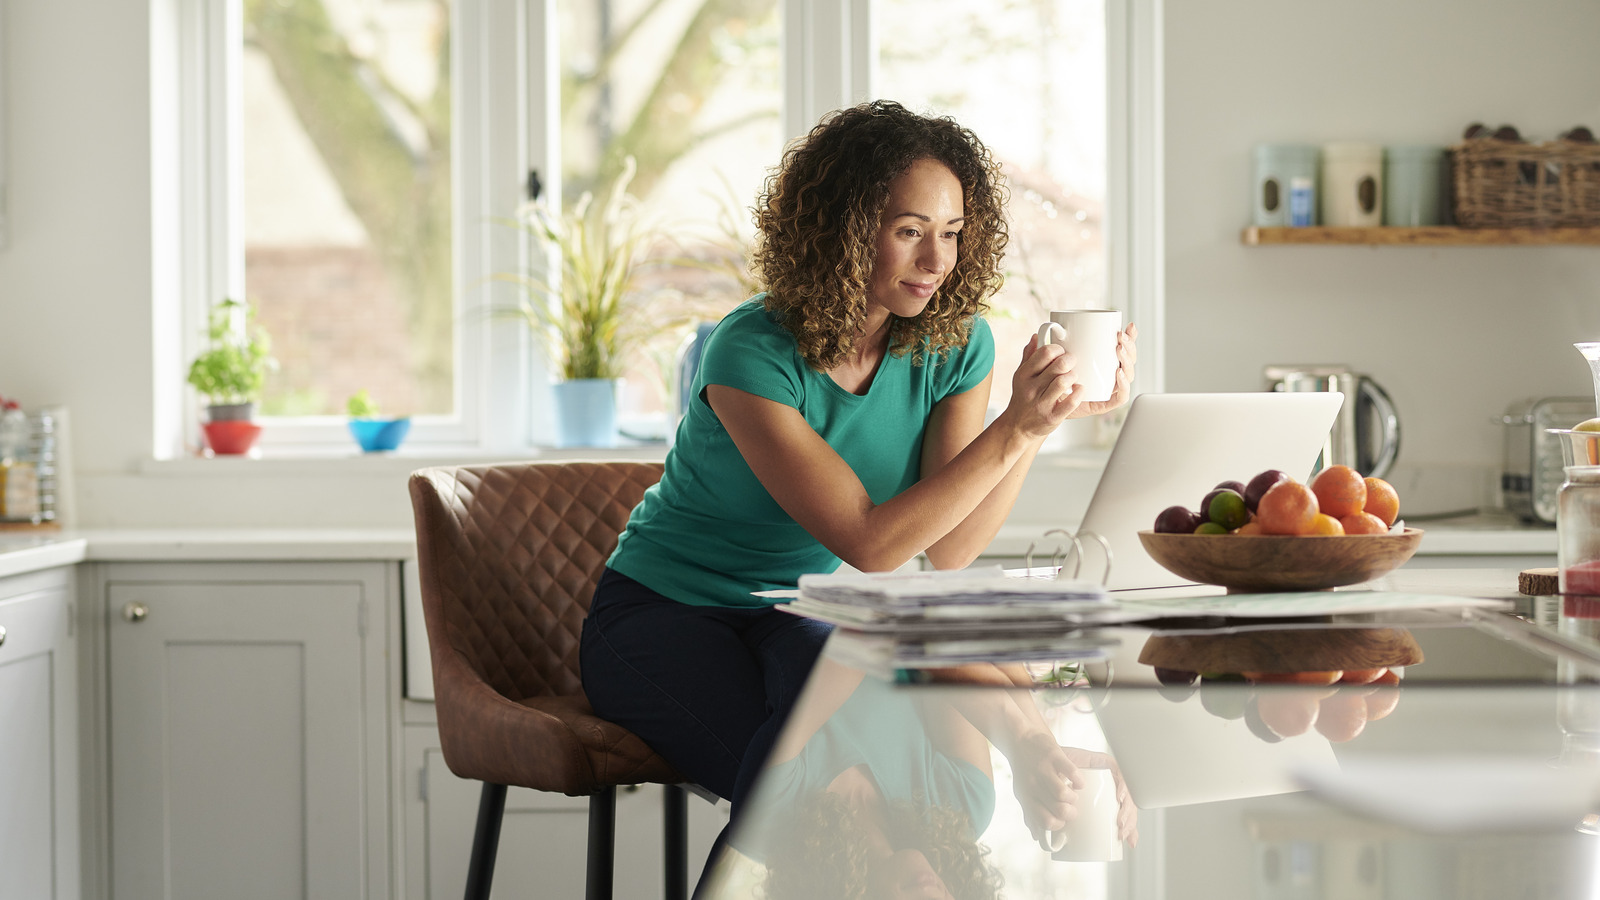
1348	759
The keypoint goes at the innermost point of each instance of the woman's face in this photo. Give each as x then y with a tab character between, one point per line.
917	237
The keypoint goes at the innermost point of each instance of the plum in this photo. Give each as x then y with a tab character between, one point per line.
1175	676
1236	486
1260	484
1176	520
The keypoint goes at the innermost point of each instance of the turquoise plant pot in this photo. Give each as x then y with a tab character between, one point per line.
586	412
377	435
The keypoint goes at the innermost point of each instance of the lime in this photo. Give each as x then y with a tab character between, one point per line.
1227	509
1210	528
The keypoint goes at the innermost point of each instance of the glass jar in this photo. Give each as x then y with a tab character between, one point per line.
1578	532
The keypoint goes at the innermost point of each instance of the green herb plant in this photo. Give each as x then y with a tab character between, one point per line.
361	405
590	315
234	366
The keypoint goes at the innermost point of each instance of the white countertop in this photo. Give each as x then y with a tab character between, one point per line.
19	553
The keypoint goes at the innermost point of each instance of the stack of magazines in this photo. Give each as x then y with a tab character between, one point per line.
964	601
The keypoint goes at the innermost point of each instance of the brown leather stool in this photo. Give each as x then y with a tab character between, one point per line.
508	557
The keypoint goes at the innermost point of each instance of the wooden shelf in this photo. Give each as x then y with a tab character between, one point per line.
1431	236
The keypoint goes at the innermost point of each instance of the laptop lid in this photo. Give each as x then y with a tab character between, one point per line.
1174	448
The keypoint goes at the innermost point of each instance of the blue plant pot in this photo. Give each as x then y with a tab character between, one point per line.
586	412
376	435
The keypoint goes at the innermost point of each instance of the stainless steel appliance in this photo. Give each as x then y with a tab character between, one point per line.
1532	472
1366	435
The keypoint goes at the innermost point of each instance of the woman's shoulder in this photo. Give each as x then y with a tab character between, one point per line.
752	321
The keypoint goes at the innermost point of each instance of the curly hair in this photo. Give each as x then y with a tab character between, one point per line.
822	851
817	221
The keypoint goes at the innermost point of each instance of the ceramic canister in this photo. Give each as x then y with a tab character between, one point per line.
1352	184
1413	185
1284	185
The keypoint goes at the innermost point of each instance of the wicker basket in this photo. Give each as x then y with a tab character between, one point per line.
1502	184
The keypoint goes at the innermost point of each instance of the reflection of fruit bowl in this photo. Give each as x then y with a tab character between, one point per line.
1246	563
1284	682
1281	651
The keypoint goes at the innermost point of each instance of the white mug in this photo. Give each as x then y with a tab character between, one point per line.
1090	335
1092	835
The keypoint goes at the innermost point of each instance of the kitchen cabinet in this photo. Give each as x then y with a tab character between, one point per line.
249	734
39	819
543	838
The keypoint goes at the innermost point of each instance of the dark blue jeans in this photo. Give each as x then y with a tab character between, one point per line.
707	687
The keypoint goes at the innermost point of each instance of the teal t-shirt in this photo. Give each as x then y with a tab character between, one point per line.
709	534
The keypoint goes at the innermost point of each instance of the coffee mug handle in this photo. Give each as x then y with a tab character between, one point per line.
1047	333
1053	841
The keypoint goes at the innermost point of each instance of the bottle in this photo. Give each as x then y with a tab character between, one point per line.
1578	533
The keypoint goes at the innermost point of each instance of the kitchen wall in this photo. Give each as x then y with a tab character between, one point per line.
1453	333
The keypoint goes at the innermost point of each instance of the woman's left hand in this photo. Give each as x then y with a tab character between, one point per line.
1127	813
1127	355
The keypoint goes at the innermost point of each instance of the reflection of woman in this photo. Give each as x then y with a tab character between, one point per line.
838	416
882	801
882	793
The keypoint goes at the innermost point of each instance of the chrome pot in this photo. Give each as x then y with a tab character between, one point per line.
1366	435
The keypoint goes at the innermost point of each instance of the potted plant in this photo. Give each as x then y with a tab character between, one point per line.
230	374
371	430
588	314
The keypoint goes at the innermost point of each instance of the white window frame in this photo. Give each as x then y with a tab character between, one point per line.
505	96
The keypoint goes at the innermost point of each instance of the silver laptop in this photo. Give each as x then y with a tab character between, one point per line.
1174	448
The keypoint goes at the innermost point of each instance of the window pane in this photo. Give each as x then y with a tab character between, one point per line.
347	201
1028	76
691	89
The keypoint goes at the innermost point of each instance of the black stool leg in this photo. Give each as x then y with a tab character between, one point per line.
675	851
485	840
602	843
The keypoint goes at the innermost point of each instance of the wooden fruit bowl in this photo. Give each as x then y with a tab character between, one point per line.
1289	650
1254	563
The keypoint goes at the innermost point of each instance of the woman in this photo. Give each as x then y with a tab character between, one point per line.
837	416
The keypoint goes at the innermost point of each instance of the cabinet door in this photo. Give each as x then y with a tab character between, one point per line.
38	749
237	740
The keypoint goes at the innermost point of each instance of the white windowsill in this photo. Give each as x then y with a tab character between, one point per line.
281	461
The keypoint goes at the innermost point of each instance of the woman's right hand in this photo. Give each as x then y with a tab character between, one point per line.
1042	393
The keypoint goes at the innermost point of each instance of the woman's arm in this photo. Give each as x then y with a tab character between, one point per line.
957	419
817	488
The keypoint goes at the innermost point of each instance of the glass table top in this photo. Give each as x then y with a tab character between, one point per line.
1423	754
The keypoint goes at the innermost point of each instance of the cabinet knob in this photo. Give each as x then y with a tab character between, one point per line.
2	635
134	611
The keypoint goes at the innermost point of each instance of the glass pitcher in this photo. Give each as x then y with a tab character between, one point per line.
1578	501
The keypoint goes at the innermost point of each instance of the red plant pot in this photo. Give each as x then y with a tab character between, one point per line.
231	438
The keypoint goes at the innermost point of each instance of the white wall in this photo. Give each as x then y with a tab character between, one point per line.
1455	334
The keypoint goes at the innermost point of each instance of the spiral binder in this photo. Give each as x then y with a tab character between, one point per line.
1059	557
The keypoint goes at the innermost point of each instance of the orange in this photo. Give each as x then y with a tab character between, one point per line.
1288	508
1382	702
1363	523
1316	678
1361	676
1326	526
1340	491
1382	500
1250	527
1342	716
